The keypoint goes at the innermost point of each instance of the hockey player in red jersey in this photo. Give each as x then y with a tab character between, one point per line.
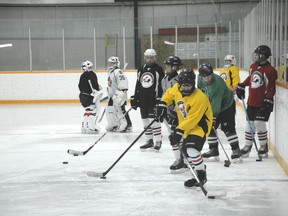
148	92
261	83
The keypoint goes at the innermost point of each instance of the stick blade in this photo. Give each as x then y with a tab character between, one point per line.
95	174
216	194
75	153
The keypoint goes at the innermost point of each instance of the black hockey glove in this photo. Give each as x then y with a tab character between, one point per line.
240	91
176	137
268	105
134	102
161	111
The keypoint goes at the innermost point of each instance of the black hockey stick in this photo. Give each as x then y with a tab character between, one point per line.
212	195
103	175
251	131
77	153
226	162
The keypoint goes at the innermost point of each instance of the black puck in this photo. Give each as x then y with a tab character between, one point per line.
75	154
65	162
102	177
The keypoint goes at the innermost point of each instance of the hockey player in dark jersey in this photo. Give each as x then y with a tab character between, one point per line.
261	82
148	92
172	66
90	95
223	106
195	118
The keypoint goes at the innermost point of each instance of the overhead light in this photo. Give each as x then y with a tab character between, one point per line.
5	45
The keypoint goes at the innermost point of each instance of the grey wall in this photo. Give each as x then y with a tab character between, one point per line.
47	23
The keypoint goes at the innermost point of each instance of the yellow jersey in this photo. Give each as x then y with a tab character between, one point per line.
194	112
230	76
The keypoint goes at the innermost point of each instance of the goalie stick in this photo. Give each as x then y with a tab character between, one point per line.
82	153
210	195
251	131
226	162
103	175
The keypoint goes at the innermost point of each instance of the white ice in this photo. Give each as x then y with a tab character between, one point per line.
34	140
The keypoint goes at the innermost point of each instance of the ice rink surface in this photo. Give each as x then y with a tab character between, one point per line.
34	140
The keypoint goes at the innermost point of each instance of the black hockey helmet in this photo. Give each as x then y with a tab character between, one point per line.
173	61
186	80
263	51
205	70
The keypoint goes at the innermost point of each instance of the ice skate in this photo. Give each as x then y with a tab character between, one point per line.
178	166
236	156
149	144
193	182
263	151
158	145
245	151
127	129
213	152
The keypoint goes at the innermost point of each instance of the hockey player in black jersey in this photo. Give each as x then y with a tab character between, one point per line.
90	95
148	92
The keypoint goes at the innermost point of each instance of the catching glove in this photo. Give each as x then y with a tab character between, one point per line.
161	111
134	102
176	137
268	105
240	91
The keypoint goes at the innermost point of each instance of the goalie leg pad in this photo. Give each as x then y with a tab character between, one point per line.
111	117
122	123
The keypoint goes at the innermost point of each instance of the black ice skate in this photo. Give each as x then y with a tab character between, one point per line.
236	156
245	151
193	182
127	129
158	145
178	166
148	145
263	151
213	152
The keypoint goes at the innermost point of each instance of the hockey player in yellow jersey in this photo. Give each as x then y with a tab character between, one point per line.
230	74
195	118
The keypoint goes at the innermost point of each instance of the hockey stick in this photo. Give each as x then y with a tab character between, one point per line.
102	115
82	153
251	131
226	162
210	195
103	175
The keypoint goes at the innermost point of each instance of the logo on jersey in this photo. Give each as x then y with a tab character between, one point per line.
256	80
182	109
224	76
147	80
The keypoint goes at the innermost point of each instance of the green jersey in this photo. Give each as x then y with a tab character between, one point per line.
220	96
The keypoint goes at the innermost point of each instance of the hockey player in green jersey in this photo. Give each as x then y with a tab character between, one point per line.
223	107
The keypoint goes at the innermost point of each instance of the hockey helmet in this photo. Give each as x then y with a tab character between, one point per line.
230	60
87	66
186	80
206	73
114	61
150	52
264	53
173	61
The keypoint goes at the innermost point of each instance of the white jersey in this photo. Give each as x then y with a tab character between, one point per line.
168	82
116	81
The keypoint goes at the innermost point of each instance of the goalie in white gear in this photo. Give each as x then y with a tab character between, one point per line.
117	93
90	95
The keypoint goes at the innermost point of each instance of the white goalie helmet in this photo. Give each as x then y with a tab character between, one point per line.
87	66
114	61
230	60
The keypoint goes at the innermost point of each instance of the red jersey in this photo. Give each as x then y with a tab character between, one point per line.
261	82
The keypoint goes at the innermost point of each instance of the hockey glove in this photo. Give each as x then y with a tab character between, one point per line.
134	102
240	91
268	105
176	137
161	111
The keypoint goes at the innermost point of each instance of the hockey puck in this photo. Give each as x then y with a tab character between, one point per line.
65	162
102	177
211	197
75	154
